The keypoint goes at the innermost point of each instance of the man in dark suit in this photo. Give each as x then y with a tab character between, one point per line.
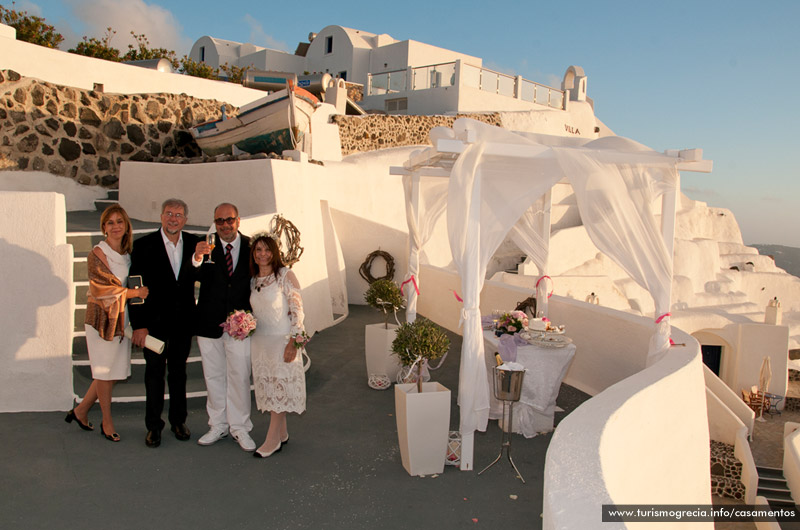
224	288
164	260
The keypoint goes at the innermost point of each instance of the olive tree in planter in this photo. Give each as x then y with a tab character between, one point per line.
383	295
422	409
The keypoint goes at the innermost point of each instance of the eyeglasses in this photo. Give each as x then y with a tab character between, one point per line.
229	220
175	215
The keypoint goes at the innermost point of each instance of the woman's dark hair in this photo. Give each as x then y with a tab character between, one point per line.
277	264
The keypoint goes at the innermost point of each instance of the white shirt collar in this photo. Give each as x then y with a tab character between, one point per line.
167	240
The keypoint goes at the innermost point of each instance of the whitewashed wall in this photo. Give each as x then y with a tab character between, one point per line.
257	188
73	70
37	291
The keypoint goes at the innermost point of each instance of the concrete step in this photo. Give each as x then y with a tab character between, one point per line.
102	204
775	484
770	472
132	389
80	353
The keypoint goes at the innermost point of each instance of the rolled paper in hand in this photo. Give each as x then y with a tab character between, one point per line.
150	342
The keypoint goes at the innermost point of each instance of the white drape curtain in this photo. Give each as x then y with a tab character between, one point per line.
486	196
615	181
423	209
527	235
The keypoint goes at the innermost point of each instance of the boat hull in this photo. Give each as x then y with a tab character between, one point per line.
277	124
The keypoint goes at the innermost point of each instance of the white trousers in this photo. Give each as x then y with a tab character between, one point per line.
226	369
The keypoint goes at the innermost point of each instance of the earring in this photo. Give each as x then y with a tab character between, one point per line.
106	235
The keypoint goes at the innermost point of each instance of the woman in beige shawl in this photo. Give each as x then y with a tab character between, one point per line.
109	350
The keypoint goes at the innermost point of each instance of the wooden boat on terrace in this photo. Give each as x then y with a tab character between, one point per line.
272	124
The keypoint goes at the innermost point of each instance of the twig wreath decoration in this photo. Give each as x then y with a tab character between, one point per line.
288	237
366	268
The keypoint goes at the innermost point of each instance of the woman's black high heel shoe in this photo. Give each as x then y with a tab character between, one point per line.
114	437
85	426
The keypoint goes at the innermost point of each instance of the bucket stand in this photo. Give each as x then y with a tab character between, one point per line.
507	388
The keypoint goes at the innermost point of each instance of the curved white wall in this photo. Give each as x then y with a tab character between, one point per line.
644	440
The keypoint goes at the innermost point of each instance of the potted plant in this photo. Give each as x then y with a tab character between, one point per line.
422	409
383	295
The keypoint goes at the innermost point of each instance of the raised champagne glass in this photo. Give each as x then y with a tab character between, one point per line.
210	241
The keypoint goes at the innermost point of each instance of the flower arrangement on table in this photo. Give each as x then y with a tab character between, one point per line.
240	324
511	322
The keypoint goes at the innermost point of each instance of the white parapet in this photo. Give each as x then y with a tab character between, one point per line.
37	293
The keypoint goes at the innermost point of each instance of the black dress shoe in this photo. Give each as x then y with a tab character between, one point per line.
181	432
153	439
85	426
113	437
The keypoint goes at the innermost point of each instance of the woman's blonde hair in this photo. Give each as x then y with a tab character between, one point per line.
127	239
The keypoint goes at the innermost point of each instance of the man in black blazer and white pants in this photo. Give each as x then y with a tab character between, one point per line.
164	261
224	288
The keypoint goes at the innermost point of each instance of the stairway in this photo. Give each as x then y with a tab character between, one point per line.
772	486
83	232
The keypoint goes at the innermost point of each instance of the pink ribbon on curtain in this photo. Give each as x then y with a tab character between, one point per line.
658	321
542	278
412	280
456	295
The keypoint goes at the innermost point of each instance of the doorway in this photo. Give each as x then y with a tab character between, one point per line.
712	357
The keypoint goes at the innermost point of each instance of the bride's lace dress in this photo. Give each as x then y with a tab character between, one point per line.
278	308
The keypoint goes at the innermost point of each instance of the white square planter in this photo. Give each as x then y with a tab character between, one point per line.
423	422
378	348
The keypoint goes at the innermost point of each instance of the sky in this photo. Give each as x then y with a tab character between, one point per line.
721	76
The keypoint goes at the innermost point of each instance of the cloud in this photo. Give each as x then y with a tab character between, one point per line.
158	24
701	194
259	37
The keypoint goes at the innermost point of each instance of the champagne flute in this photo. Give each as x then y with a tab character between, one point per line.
210	241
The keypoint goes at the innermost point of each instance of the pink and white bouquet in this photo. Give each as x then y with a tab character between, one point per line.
511	322
240	324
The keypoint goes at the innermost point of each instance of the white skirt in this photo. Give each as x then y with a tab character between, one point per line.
110	360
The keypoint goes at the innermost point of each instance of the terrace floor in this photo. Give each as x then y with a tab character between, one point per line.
341	468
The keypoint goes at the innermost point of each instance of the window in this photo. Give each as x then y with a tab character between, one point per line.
329	44
343	75
396	105
202	54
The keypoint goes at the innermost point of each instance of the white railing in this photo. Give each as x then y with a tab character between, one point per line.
446	75
433	76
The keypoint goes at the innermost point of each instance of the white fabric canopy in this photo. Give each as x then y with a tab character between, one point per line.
492	187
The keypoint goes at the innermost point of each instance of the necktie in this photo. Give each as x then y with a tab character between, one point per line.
229	258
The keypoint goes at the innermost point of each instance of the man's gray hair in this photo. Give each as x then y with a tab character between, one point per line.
175	202
235	209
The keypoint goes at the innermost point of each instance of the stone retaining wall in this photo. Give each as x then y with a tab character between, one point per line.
84	135
726	472
379	131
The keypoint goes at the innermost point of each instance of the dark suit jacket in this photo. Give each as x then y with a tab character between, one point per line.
221	294
170	306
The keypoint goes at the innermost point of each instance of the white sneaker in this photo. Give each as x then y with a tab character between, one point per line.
245	442
214	435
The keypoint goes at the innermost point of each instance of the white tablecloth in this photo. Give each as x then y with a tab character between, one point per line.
546	368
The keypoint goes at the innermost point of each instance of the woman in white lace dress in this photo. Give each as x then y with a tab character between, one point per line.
276	345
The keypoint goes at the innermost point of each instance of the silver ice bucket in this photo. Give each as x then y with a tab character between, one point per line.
508	384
